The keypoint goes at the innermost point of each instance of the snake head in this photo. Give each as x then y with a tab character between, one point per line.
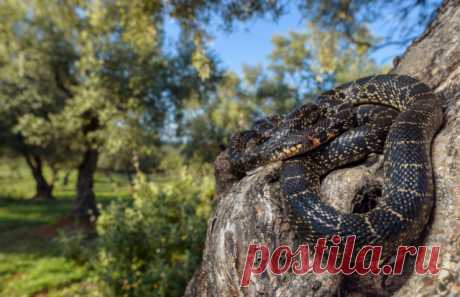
273	139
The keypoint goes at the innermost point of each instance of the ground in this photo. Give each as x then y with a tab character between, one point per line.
33	261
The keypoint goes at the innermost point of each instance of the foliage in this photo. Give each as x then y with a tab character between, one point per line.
151	245
352	19
314	60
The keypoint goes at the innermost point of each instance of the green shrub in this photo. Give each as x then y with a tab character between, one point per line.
151	245
76	245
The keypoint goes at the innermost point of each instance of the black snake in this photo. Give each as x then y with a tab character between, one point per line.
396	114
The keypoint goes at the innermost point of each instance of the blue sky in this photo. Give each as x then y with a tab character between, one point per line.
250	43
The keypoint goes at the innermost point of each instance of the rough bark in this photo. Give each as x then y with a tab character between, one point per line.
43	189
251	211
435	58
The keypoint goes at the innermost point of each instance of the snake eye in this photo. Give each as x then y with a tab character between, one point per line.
315	142
330	135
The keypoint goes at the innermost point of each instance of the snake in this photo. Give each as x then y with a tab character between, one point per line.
396	115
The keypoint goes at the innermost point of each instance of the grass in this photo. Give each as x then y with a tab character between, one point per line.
39	274
31	260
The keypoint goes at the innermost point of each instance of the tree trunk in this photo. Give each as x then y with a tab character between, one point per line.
85	202
43	189
251	211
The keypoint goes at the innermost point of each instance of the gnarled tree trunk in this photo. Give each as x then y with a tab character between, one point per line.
85	208
43	189
251	210
85	202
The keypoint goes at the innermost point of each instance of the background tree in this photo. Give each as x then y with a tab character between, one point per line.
81	70
28	87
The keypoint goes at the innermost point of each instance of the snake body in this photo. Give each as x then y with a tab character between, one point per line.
394	113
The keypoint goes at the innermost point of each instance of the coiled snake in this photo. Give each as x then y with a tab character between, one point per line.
394	113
